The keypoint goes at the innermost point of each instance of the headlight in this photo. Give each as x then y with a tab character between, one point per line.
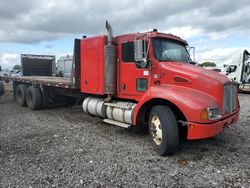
210	114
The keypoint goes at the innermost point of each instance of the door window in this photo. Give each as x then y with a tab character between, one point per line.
128	52
231	68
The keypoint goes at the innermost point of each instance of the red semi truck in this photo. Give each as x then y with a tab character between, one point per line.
141	79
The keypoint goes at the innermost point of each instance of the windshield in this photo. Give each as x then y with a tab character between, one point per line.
170	50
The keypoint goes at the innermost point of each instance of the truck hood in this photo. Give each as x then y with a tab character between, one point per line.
197	78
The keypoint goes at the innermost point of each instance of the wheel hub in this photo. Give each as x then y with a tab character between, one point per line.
156	129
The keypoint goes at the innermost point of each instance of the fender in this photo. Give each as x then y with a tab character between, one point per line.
189	101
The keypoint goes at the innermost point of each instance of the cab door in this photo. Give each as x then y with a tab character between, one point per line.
133	81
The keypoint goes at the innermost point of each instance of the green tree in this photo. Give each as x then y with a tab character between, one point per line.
17	67
208	64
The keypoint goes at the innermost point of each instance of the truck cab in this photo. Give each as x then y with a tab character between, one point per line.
145	70
152	82
238	69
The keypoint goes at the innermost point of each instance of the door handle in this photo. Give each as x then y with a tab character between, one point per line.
123	87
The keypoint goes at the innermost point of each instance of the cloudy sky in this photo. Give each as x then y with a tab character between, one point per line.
217	29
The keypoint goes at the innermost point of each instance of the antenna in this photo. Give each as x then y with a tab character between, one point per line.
180	33
179	22
144	9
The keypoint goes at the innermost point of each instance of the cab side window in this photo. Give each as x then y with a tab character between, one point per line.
231	68
128	52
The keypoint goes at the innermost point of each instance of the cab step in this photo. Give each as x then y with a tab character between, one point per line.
117	123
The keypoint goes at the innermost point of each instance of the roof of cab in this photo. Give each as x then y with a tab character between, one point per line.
153	34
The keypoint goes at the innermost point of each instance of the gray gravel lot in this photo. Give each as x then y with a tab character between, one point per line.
63	147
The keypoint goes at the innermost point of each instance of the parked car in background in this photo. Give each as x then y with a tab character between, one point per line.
4	72
17	73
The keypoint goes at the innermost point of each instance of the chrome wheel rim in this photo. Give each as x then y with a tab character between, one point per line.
156	129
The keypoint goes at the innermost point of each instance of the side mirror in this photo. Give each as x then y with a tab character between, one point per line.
191	51
140	52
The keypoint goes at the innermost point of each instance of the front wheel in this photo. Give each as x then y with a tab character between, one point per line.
163	130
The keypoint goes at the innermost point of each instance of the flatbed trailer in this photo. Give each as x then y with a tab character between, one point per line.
60	82
52	89
49	88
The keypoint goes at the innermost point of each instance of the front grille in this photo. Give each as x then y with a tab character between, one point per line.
229	99
234	97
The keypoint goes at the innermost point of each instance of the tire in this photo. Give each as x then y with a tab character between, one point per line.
163	130
21	91
34	98
45	98
1	88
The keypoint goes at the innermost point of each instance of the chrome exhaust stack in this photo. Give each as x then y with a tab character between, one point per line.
110	33
110	72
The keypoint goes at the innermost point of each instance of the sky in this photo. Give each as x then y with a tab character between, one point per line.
217	29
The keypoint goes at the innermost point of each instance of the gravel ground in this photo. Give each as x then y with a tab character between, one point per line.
63	147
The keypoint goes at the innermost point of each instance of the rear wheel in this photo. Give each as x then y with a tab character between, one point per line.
21	95
163	130
33	98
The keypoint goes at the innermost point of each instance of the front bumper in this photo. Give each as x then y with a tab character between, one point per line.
199	131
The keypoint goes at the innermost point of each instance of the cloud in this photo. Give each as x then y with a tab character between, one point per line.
33	21
27	37
12	9
184	32
50	46
8	60
220	56
205	23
